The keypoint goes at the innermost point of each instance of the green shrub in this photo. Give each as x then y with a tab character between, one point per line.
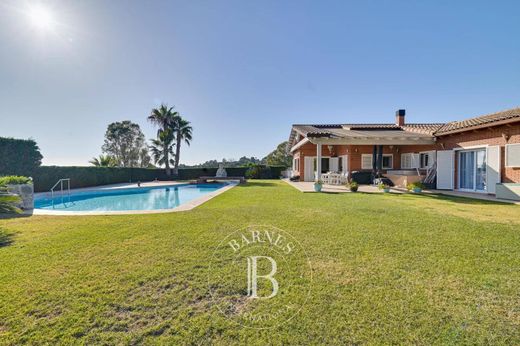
8	203
45	177
415	185
19	156
258	172
353	186
383	186
14	180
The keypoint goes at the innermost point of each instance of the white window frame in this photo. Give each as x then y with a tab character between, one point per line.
430	155
363	161
410	155
508	147
371	158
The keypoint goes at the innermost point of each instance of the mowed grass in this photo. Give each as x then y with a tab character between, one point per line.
387	269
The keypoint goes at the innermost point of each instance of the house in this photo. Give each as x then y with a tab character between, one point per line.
468	155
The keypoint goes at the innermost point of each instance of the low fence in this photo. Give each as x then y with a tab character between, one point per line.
45	177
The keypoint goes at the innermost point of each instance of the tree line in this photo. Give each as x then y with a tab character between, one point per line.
125	144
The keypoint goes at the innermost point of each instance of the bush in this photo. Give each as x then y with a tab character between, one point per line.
19	156
353	186
259	172
14	180
415	185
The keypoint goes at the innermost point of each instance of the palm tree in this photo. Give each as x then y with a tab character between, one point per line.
8	202
103	161
164	118
162	150
183	132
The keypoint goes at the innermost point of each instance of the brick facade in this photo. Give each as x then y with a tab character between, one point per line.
497	135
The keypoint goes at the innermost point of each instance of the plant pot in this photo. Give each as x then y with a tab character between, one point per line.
417	190
26	193
317	187
386	190
353	189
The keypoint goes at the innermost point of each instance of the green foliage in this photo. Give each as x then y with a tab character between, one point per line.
19	156
259	172
183	133
103	161
162	151
14	180
415	185
383	186
125	143
279	156
8	203
46	176
244	161
353	186
165	118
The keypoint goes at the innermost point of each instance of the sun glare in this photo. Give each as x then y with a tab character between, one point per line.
40	17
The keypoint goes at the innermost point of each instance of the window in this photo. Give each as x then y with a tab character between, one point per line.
366	161
425	160
296	164
406	161
388	161
513	155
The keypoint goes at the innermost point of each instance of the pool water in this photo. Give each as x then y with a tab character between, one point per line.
120	199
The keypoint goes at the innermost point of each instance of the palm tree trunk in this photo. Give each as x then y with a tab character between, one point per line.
167	162
177	154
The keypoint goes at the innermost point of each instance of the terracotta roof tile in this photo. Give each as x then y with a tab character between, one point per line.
457	126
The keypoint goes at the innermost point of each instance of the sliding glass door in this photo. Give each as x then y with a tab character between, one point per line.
472	170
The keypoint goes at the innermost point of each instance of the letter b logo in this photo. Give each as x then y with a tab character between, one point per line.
252	276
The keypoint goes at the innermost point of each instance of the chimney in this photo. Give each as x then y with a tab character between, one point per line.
399	117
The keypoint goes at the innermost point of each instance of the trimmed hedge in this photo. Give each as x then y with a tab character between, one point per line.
45	177
19	156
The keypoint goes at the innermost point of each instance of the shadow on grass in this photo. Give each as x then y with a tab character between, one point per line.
253	183
455	199
6	239
16	216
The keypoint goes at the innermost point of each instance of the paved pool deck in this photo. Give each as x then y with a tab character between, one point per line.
308	187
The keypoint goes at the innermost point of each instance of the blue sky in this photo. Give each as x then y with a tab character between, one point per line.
243	71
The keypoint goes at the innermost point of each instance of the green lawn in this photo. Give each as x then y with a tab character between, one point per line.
387	269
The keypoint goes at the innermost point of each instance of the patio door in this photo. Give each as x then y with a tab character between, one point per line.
445	169
308	168
472	170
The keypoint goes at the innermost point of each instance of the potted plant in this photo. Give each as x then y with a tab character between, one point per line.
317	185
20	186
384	187
415	187
353	186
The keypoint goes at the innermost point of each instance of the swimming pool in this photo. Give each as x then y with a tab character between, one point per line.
126	199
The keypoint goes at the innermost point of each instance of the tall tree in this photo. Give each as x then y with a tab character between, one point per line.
164	118
125	143
279	156
183	133
103	161
162	150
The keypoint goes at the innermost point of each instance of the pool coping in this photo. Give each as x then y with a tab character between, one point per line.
183	207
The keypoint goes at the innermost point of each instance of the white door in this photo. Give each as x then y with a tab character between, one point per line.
334	164
345	164
308	168
493	168
445	169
